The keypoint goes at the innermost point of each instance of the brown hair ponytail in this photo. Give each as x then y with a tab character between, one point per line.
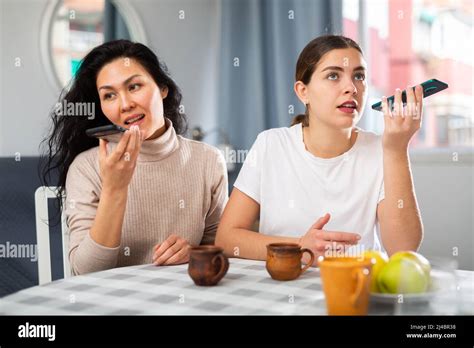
301	118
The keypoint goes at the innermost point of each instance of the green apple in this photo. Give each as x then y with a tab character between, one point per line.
379	260
420	259
402	276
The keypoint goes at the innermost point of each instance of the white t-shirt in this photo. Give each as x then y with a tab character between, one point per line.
294	188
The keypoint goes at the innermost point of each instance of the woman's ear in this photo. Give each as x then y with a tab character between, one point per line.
301	92
164	92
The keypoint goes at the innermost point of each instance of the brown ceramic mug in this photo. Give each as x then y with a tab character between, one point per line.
284	260
207	265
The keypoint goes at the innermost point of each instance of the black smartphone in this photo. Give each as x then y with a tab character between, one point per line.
430	87
104	131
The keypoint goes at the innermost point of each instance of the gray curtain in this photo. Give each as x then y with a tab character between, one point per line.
261	37
114	25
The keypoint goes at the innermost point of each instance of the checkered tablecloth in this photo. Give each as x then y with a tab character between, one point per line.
146	289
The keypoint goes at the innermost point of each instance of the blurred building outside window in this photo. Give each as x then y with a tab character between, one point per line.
409	42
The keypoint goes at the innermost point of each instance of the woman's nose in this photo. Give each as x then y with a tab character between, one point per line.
350	88
126	103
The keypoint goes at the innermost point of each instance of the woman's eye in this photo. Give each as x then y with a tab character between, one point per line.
335	76
107	96
134	87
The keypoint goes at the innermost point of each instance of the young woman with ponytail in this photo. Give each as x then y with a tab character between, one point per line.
324	182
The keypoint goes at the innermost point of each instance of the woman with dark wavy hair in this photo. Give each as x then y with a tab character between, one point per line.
145	196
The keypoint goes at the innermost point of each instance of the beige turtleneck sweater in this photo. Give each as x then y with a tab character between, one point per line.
179	186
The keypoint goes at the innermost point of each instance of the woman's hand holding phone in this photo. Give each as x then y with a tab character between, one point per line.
117	168
403	121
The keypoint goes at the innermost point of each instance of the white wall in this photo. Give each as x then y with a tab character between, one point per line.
445	194
26	96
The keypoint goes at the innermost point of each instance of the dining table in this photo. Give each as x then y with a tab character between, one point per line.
246	289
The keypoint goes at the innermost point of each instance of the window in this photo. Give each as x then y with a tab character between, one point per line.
411	41
79	26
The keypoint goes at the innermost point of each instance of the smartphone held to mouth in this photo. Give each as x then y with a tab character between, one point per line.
108	132
430	87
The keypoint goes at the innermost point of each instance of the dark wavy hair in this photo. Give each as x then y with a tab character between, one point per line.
310	57
67	137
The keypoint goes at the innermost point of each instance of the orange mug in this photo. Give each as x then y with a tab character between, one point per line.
346	284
